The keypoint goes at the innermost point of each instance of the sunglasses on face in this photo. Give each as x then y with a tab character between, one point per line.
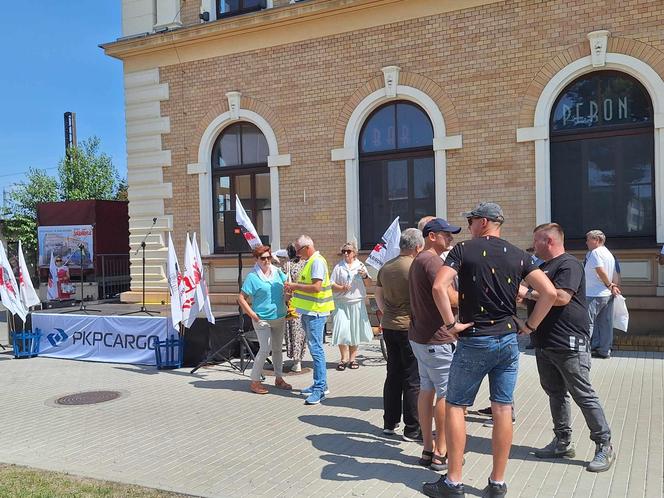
470	220
297	251
265	258
346	251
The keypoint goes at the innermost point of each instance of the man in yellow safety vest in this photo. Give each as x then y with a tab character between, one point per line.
312	299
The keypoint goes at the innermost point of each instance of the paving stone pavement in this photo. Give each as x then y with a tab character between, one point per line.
206	435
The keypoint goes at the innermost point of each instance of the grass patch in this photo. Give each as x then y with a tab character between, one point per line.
24	482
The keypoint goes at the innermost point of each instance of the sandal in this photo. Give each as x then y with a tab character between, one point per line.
257	387
353	365
438	462
341	366
425	459
282	384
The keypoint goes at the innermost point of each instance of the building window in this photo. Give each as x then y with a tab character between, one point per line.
239	167
228	8
602	159
396	169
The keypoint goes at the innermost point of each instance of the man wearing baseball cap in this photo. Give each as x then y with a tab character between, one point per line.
432	345
490	270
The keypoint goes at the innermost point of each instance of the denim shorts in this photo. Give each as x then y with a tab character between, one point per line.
433	364
477	357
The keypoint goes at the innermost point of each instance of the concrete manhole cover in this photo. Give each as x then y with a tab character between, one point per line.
87	398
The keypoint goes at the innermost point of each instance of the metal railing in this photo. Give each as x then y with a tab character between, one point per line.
112	272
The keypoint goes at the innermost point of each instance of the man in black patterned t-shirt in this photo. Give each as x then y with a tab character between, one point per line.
490	270
562	343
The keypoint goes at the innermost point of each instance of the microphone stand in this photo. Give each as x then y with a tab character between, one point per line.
143	309
83	308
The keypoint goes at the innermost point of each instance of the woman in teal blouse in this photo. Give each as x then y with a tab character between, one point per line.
265	287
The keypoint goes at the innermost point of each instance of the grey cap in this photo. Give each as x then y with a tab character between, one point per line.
489	210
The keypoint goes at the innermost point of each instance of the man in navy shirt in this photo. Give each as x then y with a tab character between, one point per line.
490	270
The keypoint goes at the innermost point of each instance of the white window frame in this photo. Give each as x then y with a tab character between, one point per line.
539	133
204	171
350	152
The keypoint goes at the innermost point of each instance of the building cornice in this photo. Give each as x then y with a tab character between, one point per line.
271	27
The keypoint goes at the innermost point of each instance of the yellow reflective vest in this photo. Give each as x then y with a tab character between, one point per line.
316	302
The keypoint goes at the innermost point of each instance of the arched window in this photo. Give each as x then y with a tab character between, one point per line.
396	169
602	159
239	166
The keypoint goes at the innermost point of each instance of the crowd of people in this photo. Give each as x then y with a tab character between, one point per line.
448	314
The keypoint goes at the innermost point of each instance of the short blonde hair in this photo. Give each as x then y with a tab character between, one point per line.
596	235
423	221
352	245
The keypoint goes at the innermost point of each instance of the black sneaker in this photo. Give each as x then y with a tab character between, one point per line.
440	489
494	490
485	411
603	460
557	449
390	431
415	436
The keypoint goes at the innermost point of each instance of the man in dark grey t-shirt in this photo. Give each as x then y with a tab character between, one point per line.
563	360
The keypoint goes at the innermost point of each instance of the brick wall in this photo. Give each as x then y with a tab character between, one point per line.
485	67
189	12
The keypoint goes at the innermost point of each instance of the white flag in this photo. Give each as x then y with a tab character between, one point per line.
191	278
248	231
52	292
174	283
28	294
203	295
9	291
387	249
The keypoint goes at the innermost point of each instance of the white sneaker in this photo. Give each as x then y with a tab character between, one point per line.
296	366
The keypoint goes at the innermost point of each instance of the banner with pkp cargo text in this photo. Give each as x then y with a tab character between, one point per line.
113	339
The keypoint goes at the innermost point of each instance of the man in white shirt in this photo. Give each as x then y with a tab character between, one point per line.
600	290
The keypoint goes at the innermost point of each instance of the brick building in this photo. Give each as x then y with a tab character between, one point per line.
330	117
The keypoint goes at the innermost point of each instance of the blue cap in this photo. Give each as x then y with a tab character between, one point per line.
439	225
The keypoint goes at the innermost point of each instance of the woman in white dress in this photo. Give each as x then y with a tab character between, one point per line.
351	321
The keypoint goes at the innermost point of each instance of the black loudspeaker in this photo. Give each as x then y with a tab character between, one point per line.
204	337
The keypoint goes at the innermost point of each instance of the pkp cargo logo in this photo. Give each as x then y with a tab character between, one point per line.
57	338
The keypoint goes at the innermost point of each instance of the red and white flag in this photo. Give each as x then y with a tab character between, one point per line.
174	283
52	292
387	249
9	291
248	231
191	279
203	295
28	294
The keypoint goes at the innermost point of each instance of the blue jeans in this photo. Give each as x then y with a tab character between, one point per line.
314	327
476	357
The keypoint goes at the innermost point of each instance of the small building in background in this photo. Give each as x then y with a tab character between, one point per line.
89	236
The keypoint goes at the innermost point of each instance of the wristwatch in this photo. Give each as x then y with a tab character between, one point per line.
529	294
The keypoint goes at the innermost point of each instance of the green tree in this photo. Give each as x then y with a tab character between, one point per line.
85	173
20	211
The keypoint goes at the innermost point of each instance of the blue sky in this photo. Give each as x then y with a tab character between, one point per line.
51	64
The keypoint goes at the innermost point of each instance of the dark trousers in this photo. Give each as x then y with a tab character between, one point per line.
402	384
565	373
